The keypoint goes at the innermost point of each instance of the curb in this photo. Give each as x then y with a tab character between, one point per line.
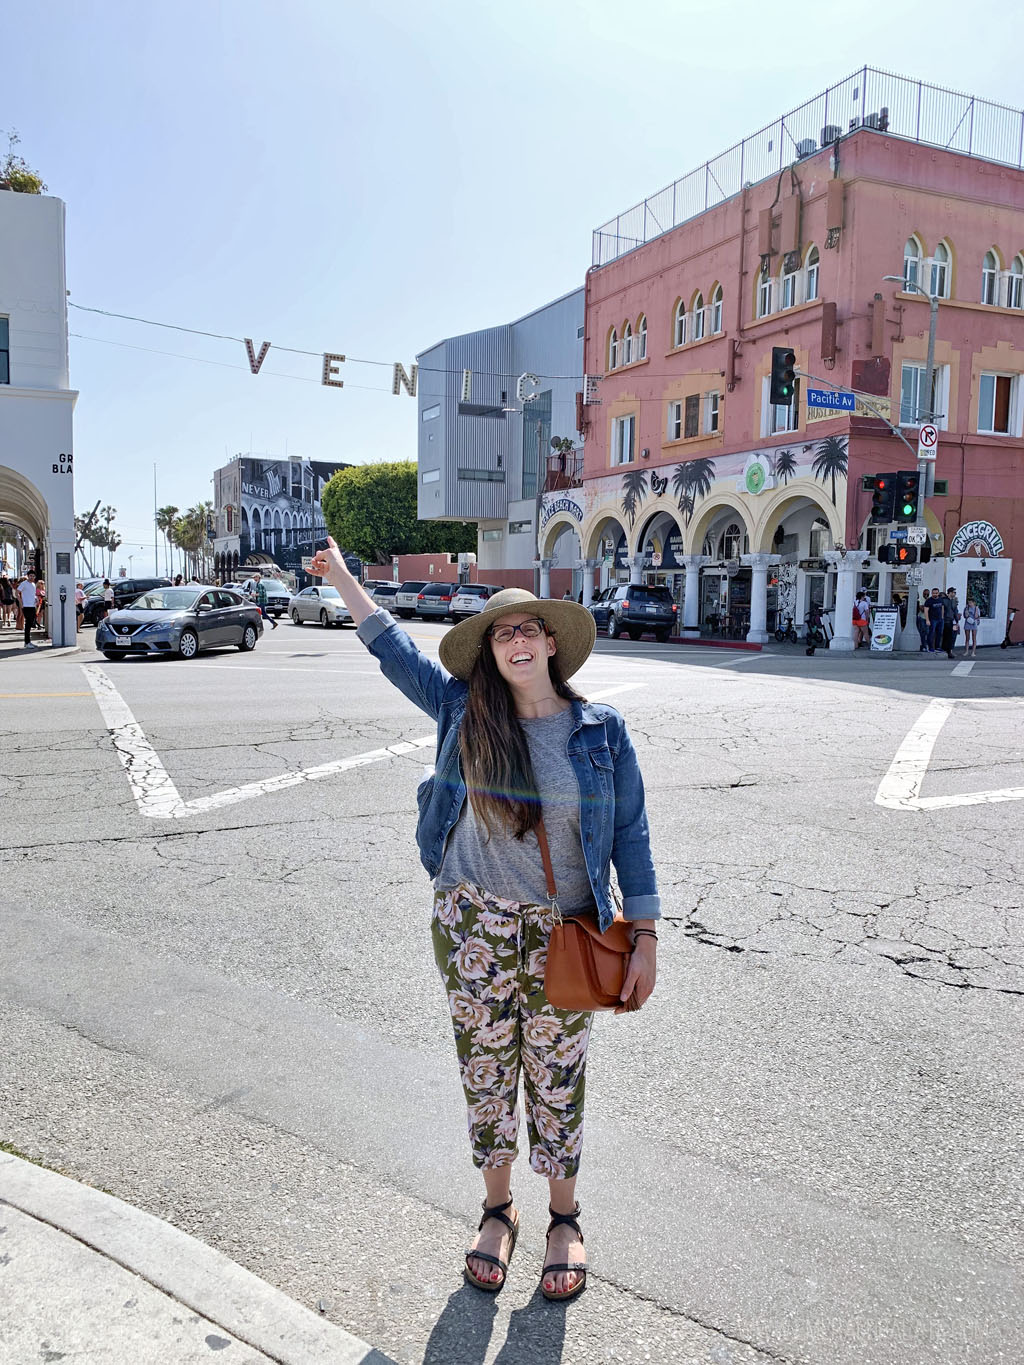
188	1271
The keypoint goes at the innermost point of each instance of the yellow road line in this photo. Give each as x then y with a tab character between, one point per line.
45	694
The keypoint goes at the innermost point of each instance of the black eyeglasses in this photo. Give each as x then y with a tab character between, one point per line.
529	630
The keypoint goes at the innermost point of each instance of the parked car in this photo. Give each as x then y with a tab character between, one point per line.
435	600
471	598
635	608
126	590
321	604
180	621
384	594
405	598
600	606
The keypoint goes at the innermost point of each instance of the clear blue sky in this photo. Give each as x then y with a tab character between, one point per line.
369	179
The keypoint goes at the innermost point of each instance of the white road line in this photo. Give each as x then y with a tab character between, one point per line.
741	659
900	788
155	793
963	669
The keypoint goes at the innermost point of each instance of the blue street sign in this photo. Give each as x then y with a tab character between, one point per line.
829	398
898	532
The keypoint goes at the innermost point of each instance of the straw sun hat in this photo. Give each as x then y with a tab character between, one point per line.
571	625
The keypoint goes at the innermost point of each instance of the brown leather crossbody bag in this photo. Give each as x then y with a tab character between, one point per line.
585	969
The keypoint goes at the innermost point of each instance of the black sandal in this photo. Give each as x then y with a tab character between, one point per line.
498	1212
570	1220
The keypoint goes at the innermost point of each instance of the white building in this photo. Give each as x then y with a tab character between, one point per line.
36	404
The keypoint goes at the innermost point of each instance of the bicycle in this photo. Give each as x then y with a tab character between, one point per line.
787	632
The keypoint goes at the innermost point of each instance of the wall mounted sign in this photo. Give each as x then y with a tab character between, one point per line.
980	536
757	476
557	505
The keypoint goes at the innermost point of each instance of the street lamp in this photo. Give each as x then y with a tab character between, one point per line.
130	558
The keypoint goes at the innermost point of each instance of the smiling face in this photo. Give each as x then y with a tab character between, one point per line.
522	663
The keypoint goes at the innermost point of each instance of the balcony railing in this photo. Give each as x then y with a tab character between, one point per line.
893	105
563	471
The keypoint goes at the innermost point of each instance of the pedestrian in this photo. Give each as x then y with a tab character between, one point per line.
936	619
861	619
972	620
41	605
28	599
261	599
515	739
7	614
178	580
108	600
79	606
567	595
921	621
951	622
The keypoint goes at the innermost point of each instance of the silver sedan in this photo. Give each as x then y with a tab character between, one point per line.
322	605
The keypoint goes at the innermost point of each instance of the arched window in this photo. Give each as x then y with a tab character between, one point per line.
821	538
613	350
679	327
641	338
990	278
708	547
698	317
812	274
912	254
716	310
787	288
764	296
1015	289
627	344
732	540
940	271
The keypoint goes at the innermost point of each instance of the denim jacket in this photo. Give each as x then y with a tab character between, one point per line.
613	817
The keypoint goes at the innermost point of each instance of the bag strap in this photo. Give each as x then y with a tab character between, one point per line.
549	873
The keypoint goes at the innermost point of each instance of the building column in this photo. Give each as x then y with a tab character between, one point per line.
589	565
59	570
545	577
636	569
848	567
758	632
691	595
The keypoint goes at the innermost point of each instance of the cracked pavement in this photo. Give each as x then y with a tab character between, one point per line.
803	1150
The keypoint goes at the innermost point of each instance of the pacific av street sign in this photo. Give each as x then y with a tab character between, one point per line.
831	398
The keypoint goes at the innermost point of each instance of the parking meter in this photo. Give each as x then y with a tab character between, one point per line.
63	615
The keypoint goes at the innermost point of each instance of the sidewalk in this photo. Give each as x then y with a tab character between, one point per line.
84	1276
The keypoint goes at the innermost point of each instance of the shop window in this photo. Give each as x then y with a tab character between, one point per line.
813	262
712	403
624	439
912	254
940	271
997	403
691	415
990	278
716	310
641	338
679	330
1015	284
982	587
698	318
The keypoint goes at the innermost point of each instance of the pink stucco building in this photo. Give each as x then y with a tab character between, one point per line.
749	512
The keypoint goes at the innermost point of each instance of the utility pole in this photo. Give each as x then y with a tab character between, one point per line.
926	410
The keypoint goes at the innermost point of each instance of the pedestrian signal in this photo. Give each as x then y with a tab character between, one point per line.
783	380
906	554
908	488
883	499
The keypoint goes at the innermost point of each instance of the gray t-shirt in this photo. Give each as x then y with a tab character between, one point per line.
510	867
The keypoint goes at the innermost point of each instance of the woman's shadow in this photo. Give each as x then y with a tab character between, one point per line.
462	1334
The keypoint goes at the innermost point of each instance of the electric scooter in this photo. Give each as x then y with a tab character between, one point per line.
1007	642
815	631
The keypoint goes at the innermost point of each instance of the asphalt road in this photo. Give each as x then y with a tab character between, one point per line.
218	1001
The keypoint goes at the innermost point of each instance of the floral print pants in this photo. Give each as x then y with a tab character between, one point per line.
491	954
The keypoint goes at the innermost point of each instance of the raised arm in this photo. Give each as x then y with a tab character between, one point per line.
330	565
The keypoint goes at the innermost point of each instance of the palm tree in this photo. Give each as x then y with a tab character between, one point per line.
831	460
114	543
164	522
785	465
634	490
691	481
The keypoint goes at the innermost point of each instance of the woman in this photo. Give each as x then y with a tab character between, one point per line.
79	606
972	620
515	739
923	626
6	601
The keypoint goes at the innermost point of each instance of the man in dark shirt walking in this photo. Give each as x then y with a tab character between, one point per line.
937	607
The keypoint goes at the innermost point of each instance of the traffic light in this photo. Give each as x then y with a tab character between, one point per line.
904	554
783	380
883	499
908	488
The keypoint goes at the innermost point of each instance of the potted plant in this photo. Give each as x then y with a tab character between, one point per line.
15	173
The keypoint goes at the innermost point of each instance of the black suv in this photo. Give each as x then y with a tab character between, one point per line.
636	608
125	592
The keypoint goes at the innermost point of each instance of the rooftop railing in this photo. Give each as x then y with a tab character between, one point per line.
894	105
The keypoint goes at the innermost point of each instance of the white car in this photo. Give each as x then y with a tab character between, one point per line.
406	598
471	598
319	604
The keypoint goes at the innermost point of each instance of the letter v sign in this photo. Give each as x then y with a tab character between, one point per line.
255	361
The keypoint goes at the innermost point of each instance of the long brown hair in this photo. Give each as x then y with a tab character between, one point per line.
495	756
